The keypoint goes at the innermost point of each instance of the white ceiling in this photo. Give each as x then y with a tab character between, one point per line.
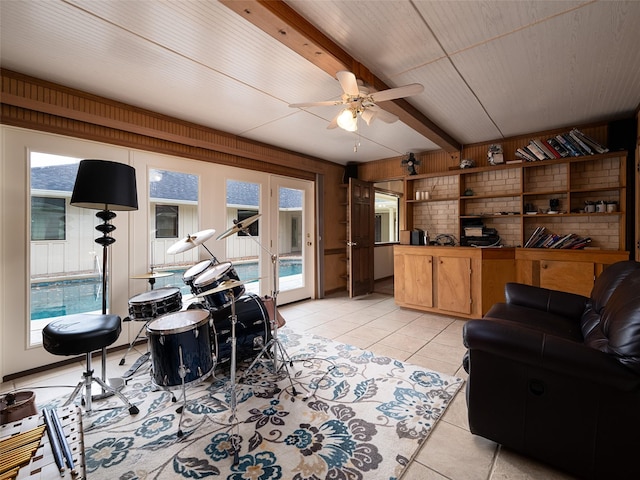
490	69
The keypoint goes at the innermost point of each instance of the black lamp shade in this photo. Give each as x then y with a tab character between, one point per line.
105	185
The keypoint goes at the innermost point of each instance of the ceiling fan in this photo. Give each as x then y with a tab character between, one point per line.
358	100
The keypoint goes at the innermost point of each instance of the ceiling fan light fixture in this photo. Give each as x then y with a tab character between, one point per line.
347	120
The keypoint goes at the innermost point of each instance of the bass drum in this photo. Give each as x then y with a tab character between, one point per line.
253	331
180	345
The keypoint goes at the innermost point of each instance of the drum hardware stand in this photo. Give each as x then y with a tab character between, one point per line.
275	344
243	226
151	277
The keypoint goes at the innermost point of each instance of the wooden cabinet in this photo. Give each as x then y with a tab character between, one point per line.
454	284
571	271
459	281
415	273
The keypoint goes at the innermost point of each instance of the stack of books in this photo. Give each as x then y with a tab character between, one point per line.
543	238
571	144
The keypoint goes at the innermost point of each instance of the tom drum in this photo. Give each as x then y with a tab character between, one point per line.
155	303
211	279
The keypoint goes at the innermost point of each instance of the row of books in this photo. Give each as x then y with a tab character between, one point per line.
571	144
543	238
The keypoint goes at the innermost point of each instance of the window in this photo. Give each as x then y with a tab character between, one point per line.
253	228
387	207
48	218
167	221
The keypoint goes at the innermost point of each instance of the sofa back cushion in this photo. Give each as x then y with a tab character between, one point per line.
603	288
618	331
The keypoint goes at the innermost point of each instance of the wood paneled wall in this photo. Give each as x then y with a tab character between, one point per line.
441	161
35	104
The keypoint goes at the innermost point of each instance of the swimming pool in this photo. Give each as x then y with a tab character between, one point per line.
66	297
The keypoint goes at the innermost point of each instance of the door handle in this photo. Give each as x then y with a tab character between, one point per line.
352	244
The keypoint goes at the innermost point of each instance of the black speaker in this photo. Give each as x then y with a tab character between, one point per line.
622	135
350	171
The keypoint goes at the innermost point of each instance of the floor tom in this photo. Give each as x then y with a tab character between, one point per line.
180	345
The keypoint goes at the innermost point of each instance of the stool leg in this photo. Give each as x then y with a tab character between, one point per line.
88	378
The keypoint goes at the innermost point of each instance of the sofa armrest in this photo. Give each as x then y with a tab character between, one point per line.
566	304
543	351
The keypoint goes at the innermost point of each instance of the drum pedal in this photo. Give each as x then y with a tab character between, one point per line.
136	365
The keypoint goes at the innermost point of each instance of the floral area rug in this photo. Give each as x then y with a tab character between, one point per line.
341	413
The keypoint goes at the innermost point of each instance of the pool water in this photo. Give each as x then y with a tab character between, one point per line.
67	297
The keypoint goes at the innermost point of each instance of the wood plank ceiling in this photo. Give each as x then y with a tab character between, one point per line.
490	69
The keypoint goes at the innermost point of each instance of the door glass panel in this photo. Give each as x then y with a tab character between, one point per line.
243	248
173	215
290	238
65	262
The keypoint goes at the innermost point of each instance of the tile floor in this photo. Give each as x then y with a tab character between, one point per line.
375	323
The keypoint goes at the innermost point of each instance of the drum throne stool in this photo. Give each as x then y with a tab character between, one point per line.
85	333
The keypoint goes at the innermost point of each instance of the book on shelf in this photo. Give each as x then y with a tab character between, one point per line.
521	153
576	146
533	148
599	148
551	149
558	147
563	141
583	146
543	238
540	144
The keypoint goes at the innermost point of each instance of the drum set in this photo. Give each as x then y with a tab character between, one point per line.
224	325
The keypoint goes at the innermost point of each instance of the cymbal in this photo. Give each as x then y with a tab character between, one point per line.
149	275
226	285
190	241
238	226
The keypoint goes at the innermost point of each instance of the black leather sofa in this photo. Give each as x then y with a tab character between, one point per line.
556	376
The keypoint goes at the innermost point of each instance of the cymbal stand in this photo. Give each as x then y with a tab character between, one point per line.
232	388
213	257
275	344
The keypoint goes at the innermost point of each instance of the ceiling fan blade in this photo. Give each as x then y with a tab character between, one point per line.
400	92
316	104
369	115
334	122
348	83
385	116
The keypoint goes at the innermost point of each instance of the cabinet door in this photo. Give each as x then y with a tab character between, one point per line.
572	277
454	284
418	283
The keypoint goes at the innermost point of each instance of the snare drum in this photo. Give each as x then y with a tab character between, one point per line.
212	278
192	273
154	303
180	346
253	331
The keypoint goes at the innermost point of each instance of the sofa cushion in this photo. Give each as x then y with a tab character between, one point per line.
536	319
618	330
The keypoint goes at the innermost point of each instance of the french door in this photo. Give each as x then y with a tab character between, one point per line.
292	234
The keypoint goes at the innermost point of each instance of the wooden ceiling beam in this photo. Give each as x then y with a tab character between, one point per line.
283	23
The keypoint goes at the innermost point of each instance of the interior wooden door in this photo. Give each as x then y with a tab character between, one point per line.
360	237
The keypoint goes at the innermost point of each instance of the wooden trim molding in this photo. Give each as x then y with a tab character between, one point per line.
36	104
